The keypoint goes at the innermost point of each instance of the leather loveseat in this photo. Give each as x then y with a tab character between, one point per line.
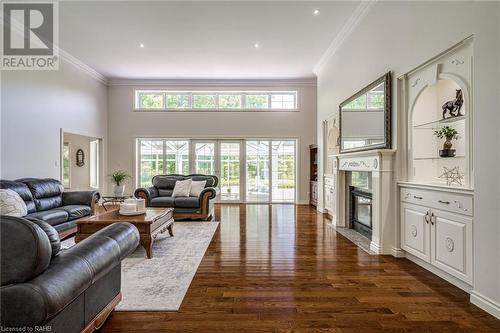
47	201
194	208
47	289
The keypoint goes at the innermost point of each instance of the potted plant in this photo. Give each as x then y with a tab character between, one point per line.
449	133
119	177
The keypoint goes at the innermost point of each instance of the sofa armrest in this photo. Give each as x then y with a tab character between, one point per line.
209	192
88	198
147	193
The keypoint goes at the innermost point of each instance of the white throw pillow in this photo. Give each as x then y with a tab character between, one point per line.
182	188
196	187
12	204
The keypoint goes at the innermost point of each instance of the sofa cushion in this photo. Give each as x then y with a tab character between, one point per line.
12	204
76	211
23	191
52	234
162	202
189	202
197	186
166	182
164	192
212	181
46	192
52	217
182	188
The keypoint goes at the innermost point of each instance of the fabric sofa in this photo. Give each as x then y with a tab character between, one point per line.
47	201
67	291
195	208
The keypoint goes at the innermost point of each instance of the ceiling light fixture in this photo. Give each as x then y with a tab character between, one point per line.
316	12
141	45
256	45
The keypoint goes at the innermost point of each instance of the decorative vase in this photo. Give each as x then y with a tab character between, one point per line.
119	190
447	144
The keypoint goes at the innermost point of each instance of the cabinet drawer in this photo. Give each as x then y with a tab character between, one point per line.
451	202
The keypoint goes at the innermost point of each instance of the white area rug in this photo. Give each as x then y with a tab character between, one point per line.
160	283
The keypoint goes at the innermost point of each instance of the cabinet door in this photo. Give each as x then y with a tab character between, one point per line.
415	230
328	197
452	244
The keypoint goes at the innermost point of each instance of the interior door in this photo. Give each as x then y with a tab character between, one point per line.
258	178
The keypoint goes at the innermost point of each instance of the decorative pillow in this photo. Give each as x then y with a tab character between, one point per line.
11	204
196	187
182	188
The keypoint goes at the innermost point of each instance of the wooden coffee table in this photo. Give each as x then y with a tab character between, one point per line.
150	225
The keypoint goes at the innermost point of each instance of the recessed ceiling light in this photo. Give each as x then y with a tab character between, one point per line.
316	12
141	45
256	45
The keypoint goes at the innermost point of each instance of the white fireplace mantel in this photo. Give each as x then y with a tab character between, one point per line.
380	164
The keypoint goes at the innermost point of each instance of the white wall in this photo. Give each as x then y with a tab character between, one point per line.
399	36
35	106
125	125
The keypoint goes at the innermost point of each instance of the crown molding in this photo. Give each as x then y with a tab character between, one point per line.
296	82
81	66
354	20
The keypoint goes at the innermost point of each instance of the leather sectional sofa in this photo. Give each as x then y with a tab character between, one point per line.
47	201
195	208
67	291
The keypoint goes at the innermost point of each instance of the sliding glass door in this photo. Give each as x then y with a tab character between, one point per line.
204	157
253	170
257	171
230	170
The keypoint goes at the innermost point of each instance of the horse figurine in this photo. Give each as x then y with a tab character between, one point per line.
454	106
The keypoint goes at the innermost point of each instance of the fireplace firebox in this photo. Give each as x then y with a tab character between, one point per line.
360	210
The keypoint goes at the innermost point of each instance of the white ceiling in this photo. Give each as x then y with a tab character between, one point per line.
201	39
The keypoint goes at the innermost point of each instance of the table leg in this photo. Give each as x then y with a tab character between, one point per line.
147	243
170	229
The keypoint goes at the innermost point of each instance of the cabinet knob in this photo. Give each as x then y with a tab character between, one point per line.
444	202
426	217
433	221
417	197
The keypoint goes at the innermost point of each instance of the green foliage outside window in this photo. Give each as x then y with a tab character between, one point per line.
151	101
229	101
204	101
257	102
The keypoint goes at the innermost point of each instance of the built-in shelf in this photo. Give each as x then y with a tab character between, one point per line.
432	124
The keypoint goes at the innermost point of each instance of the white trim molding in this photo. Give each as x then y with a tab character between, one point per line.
207	83
354	20
82	67
485	303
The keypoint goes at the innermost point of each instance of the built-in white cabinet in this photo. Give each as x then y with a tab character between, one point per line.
439	236
437	173
330	194
314	193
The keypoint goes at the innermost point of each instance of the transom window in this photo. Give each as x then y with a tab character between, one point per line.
160	100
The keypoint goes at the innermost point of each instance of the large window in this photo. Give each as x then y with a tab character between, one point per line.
158	157
160	100
253	170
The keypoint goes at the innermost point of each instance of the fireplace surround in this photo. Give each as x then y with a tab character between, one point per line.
379	163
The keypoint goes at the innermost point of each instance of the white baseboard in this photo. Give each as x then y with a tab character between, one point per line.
375	248
485	303
443	275
397	252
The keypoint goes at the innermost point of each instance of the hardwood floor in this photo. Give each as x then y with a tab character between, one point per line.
281	268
